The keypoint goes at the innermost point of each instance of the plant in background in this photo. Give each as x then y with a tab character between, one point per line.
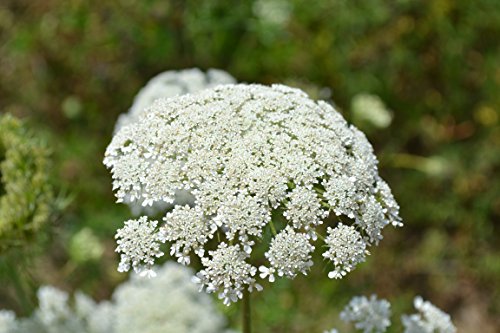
164	85
265	165
170	84
372	315
368	109
26	194
169	303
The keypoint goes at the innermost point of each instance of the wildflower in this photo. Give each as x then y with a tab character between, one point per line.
430	319
289	254
372	316
168	303
170	84
139	244
227	273
346	248
253	158
164	85
369	315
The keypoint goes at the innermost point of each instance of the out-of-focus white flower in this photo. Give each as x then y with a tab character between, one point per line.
168	303
370	315
275	12
7	321
430	319
170	84
367	108
251	156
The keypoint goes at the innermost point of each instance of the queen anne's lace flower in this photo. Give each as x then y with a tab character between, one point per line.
251	157
304	209
164	85
7	321
289	254
370	315
227	273
429	320
168	303
187	228
139	243
346	248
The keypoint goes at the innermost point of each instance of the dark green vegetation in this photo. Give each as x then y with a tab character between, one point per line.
74	66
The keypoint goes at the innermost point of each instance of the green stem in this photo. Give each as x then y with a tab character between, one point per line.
273	229
320	236
247	314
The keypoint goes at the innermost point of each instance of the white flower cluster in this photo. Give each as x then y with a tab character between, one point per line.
168	303
228	273
140	240
289	254
368	315
430	319
372	316
346	248
256	159
164	85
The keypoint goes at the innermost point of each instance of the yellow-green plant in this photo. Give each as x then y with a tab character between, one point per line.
26	195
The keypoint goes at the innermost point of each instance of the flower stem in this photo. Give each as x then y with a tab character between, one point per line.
247	314
273	229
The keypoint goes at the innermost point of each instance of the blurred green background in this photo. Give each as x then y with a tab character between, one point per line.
70	67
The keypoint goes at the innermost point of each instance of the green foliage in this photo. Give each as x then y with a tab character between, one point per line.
26	195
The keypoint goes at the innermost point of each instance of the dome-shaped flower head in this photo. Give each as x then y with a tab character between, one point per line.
26	193
164	85
262	163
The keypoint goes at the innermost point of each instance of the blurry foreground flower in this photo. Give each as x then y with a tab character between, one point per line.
257	160
169	303
372	316
26	194
164	85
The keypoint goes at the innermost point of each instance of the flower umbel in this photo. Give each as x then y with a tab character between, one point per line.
256	160
370	315
139	243
430	319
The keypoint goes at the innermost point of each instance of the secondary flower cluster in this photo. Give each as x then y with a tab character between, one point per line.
170	84
373	316
26	194
257	160
168	303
